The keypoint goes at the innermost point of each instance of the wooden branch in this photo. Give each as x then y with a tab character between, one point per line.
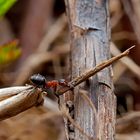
18	99
90	35
83	77
11	91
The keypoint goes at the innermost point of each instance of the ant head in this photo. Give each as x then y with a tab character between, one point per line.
62	82
38	80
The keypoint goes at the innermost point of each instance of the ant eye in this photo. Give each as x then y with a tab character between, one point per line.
61	81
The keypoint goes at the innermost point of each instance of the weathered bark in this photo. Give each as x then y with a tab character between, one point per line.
90	35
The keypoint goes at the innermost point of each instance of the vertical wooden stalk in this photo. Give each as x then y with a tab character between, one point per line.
90	36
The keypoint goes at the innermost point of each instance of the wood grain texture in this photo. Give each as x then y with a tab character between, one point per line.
90	36
21	99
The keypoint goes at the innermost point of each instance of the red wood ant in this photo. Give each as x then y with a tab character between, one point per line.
49	86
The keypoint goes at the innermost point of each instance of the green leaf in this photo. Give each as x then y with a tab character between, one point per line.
9	52
5	5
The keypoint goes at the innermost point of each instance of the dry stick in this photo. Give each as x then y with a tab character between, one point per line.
19	102
86	98
66	114
12	91
53	33
93	71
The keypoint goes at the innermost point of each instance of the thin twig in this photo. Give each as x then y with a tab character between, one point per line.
86	98
66	114
92	72
53	33
89	101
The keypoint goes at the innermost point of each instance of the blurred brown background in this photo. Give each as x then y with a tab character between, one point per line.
42	30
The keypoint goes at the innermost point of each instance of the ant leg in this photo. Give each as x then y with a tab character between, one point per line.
58	99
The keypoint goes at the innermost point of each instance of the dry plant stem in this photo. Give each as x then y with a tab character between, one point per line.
99	67
52	34
67	115
20	102
93	71
86	98
11	91
63	111
90	35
